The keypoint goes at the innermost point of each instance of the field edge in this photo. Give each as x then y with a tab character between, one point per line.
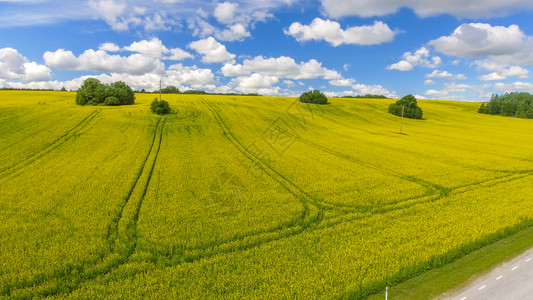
435	283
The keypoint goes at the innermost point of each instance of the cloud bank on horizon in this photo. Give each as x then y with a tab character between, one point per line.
434	49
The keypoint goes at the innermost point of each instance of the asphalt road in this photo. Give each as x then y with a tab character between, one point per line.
511	280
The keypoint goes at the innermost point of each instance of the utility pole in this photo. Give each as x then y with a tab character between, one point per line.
386	292
401	124
159	89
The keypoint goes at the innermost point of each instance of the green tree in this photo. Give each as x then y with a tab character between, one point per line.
529	114
100	93
112	101
494	105
314	97
93	92
510	104
508	108
170	90
521	109
86	92
482	109
160	107
194	92
123	92
408	105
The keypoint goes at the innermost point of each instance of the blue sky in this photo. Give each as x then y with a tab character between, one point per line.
434	49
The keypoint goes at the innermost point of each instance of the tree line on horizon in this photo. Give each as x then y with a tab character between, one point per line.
174	90
515	104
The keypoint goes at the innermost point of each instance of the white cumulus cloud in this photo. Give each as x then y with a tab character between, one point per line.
501	74
426	8
14	65
495	48
476	40
212	51
235	32
513	87
256	83
153	47
225	12
178	54
236	19
110	11
436	94
101	61
445	75
198	78
331	32
109	47
342	82
35	72
283	67
420	57
363	89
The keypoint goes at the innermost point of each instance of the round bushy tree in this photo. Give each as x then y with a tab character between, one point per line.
314	97
160	107
100	94
112	101
93	92
87	91
123	92
409	106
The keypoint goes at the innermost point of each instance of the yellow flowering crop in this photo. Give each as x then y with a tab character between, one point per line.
246	197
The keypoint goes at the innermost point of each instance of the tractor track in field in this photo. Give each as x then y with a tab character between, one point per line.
122	231
255	239
433	191
278	232
28	135
327	223
16	168
311	216
289	185
421	154
294	189
121	237
112	230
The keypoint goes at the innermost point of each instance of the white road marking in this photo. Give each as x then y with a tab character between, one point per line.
499	277
514	268
528	259
464	298
482	287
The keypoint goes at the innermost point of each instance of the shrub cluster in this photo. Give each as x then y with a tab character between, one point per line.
160	107
409	106
314	97
170	90
93	92
515	104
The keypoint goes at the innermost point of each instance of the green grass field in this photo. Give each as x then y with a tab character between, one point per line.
249	197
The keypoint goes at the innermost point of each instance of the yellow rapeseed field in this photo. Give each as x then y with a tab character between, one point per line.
247	196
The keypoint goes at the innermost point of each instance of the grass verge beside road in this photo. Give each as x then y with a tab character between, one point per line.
435	283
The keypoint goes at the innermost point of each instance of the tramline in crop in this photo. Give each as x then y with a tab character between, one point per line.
248	197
